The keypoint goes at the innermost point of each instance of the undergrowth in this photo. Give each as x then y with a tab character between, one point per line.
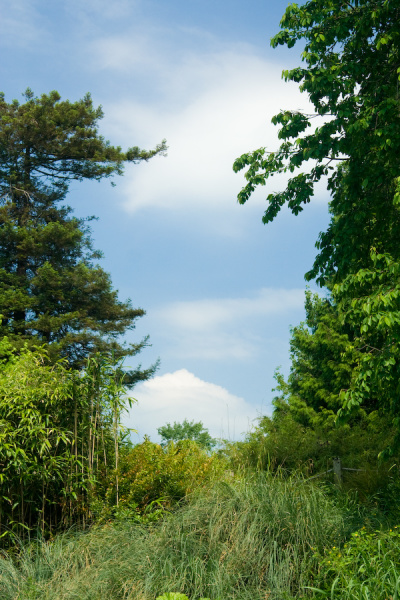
253	539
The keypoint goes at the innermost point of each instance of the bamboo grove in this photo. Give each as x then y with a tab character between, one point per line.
60	431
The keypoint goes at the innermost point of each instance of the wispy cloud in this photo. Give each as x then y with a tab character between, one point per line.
100	10
179	395
224	328
20	24
125	55
199	315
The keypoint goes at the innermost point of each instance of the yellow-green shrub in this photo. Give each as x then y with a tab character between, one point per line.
152	479
367	566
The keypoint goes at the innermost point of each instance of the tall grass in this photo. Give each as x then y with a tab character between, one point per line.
244	541
254	538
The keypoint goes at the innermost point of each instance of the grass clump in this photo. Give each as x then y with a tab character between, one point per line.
245	540
253	538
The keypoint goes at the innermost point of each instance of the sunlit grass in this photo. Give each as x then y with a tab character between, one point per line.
264	537
251	539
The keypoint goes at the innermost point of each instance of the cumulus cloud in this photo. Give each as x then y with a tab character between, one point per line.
179	395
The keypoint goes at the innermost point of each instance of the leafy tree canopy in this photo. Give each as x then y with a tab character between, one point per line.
187	430
351	75
321	366
302	433
369	302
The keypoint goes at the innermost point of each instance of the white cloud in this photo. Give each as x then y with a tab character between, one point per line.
211	313
211	108
181	395
117	54
224	328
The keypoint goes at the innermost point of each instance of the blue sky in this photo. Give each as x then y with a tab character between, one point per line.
220	289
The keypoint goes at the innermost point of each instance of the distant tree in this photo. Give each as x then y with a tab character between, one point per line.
322	358
51	290
187	430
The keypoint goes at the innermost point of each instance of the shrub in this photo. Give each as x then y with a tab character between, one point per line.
367	566
152	479
283	443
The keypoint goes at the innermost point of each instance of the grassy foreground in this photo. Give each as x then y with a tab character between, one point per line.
259	538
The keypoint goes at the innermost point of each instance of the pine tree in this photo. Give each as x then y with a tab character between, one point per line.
51	290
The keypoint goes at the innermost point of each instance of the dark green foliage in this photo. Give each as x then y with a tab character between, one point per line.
60	400
303	433
351	77
321	355
51	291
281	442
187	430
369	302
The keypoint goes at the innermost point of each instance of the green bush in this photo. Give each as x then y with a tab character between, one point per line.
153	479
282	443
176	596
367	566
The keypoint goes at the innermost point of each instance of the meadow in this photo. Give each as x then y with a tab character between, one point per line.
248	536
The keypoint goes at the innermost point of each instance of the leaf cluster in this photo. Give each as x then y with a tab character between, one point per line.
366	566
351	76
57	438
